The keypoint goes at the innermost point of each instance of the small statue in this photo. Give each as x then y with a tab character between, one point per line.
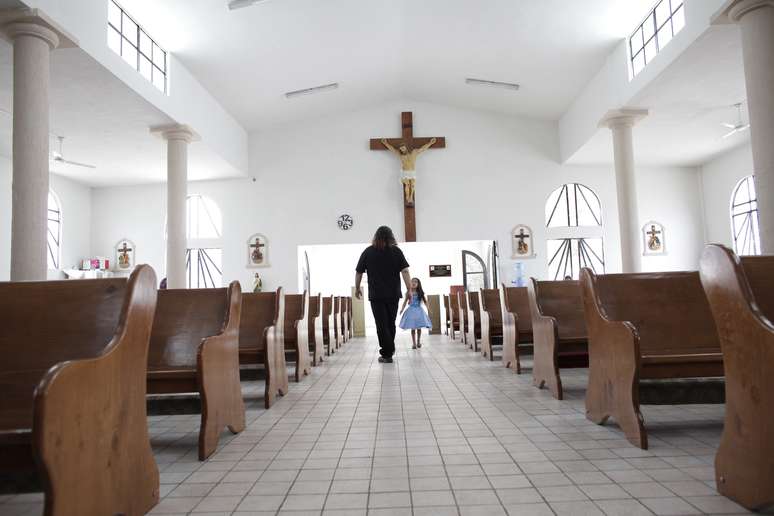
257	283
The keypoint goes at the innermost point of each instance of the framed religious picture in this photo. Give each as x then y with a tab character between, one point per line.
653	239
522	242
257	251
125	250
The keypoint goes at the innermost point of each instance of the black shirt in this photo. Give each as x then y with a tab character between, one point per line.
383	268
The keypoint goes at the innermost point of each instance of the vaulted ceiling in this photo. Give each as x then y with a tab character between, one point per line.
385	49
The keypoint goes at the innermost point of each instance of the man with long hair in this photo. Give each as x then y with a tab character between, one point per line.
385	264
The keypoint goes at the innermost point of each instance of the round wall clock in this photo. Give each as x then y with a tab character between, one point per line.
345	222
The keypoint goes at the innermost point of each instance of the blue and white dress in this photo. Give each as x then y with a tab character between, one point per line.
415	316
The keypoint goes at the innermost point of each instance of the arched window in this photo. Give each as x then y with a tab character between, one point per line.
744	218
54	237
204	256
574	228
474	272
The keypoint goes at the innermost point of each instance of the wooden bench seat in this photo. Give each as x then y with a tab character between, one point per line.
559	333
473	300
462	302
447	320
194	348
337	321
343	317
315	324
454	315
73	359
349	317
329	326
297	333
644	326
740	293
261	340
491	317
517	325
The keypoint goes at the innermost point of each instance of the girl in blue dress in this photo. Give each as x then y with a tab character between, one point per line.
415	318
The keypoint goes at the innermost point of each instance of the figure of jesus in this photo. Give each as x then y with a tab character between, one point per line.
408	160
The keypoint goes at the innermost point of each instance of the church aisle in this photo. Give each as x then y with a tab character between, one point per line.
440	431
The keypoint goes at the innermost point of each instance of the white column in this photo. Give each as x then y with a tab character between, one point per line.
621	122
756	20
32	45
178	137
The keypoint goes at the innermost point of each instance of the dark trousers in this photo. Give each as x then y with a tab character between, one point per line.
385	311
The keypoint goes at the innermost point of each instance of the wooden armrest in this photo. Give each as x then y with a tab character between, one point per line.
682	358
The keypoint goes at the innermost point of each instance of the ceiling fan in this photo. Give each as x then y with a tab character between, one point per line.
238	4
59	157
739	126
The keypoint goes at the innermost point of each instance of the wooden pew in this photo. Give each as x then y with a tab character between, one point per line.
262	337
297	333
316	340
474	319
741	296
73	358
454	316
517	324
343	320
349	316
559	333
491	317
462	303
329	328
194	348
644	326
447	320
337	321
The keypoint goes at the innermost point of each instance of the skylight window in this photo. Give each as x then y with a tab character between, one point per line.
663	22
130	41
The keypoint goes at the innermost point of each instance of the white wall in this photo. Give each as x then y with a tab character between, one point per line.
673	197
75	200
496	172
719	178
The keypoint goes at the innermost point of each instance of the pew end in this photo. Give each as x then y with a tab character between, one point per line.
194	348
297	333
79	419
741	297
558	330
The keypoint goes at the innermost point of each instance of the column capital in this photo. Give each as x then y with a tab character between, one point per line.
34	22
175	132
624	117
734	10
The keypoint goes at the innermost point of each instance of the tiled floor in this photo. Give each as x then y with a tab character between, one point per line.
441	431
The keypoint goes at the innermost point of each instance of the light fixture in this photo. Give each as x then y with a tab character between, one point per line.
238	4
494	84
309	91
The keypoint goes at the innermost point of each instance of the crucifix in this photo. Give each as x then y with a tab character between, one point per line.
522	247
123	256
654	242
407	148
257	255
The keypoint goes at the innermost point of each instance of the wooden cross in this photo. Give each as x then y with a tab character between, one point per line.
653	232
411	143
521	237
125	249
257	247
